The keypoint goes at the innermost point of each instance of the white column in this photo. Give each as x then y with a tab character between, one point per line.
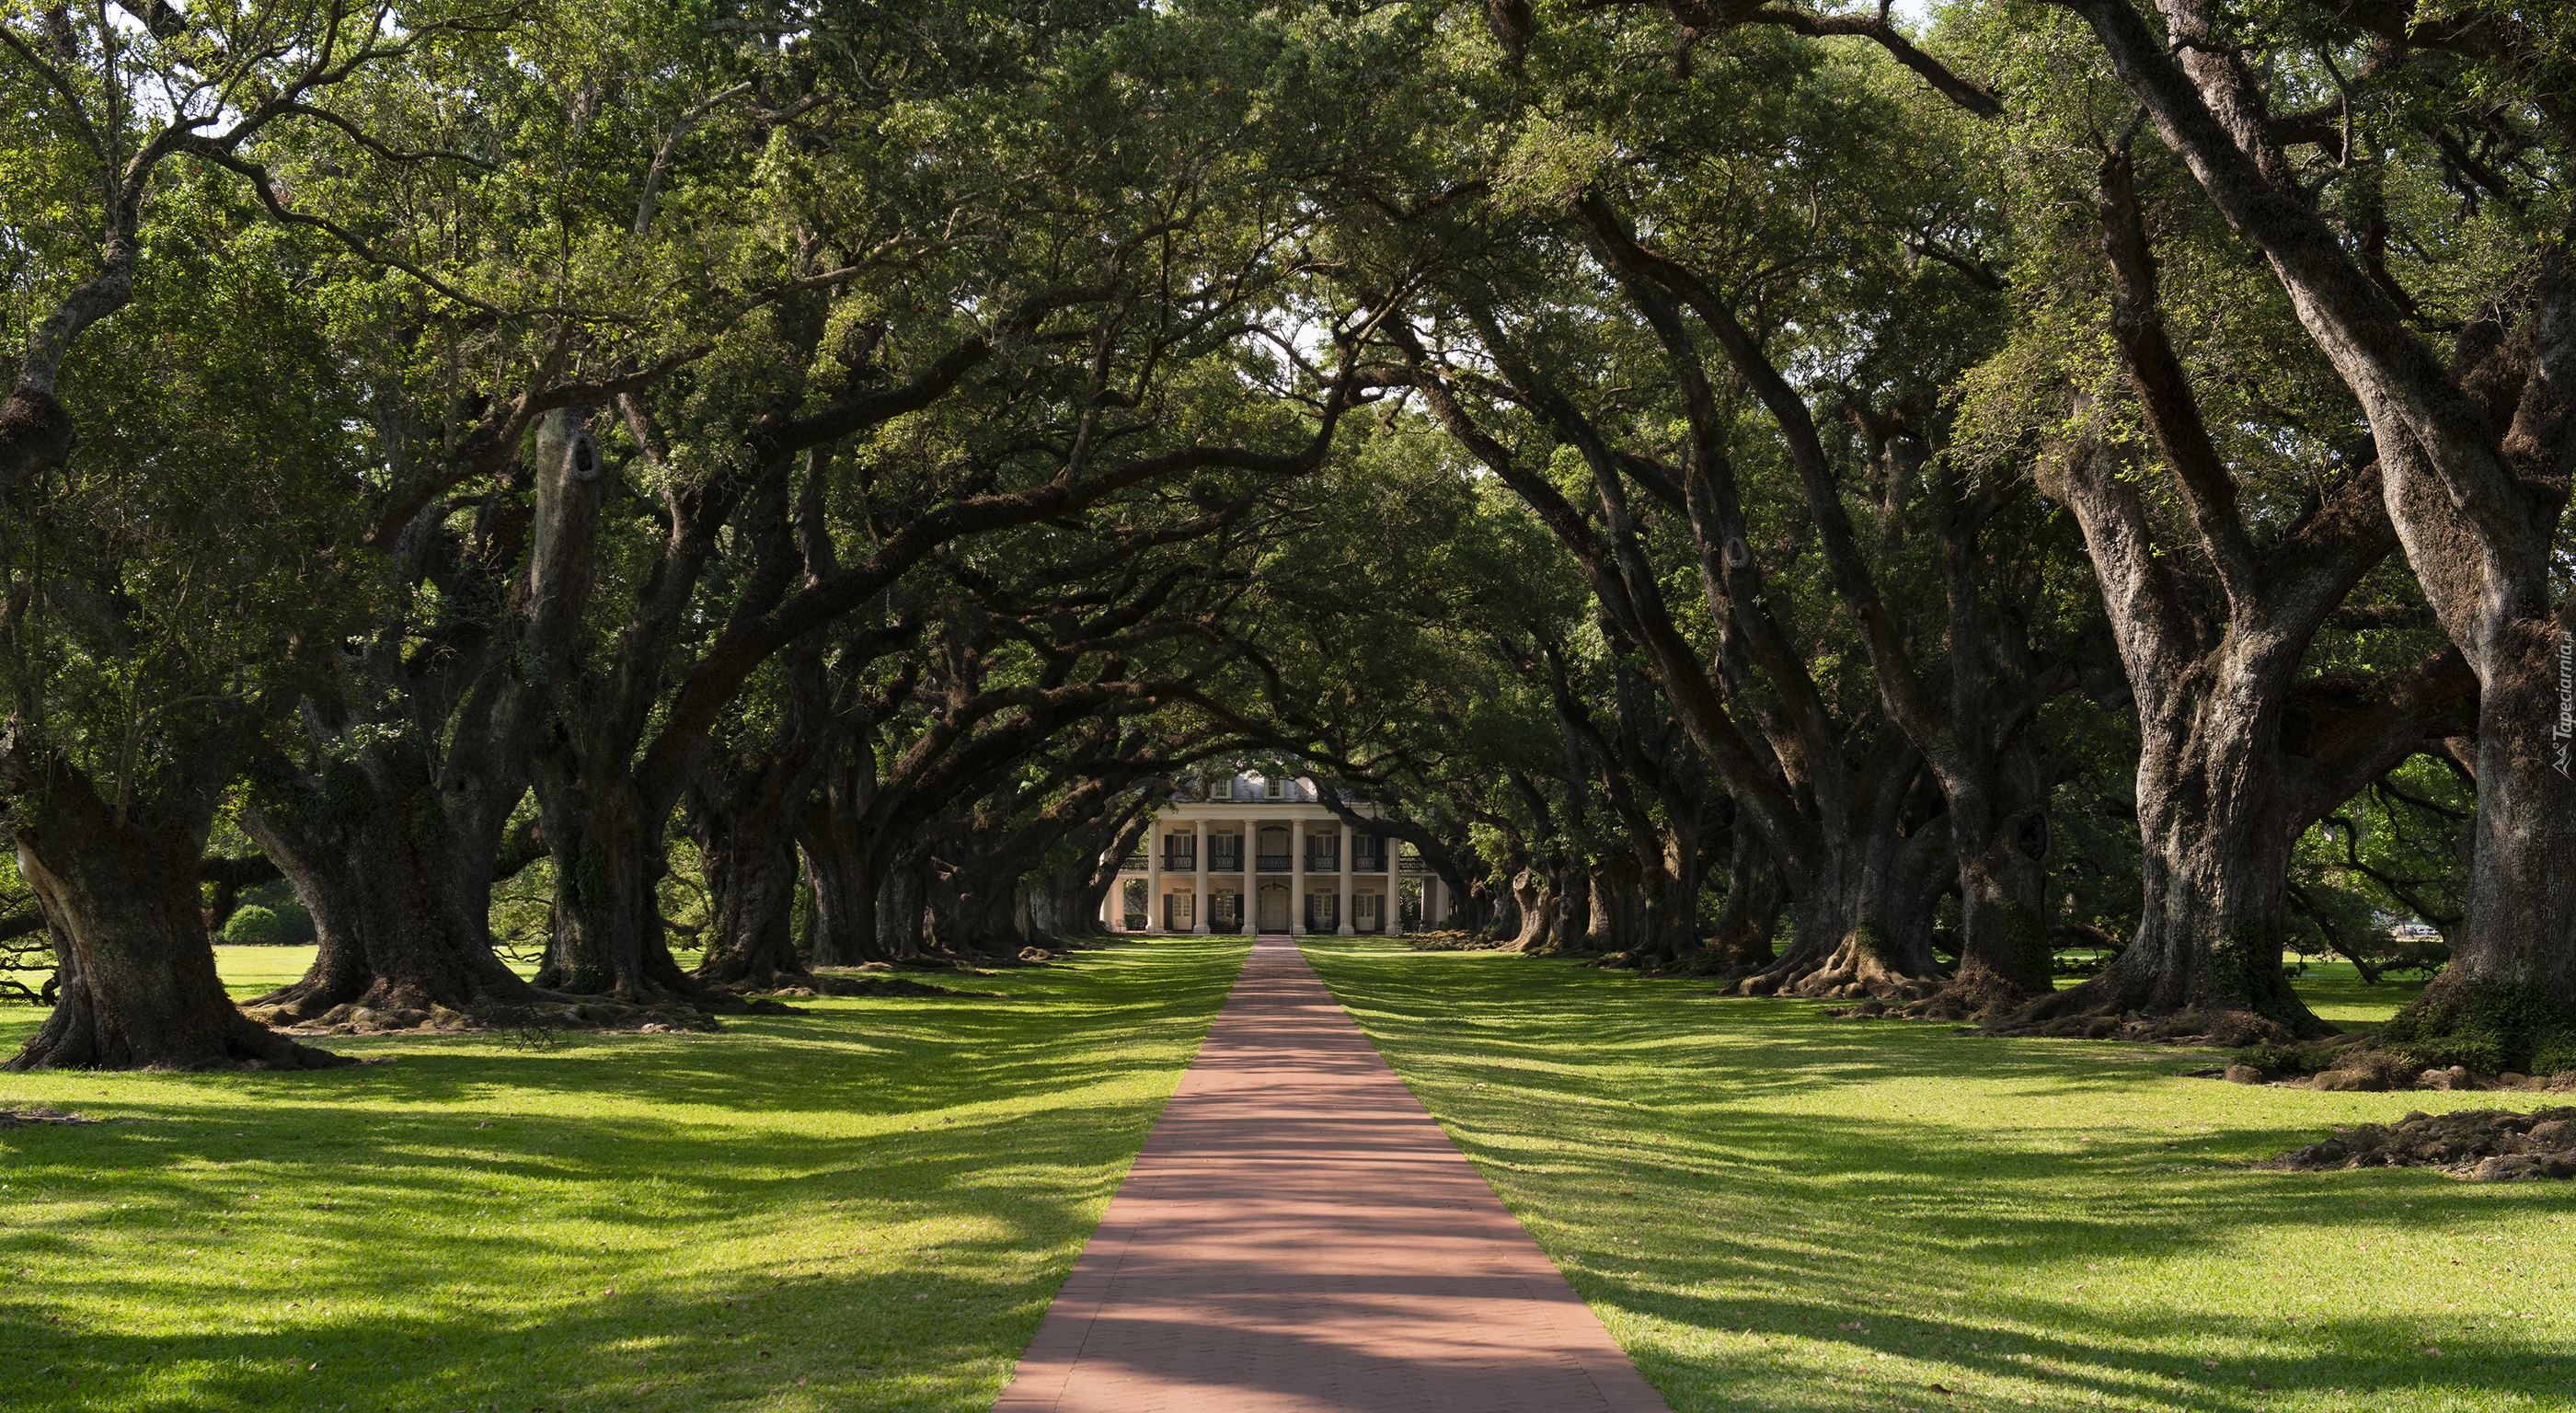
1117	885
1199	901
1435	907
1154	876
1346	929
1296	876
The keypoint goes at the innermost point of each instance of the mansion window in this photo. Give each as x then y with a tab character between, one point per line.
1274	789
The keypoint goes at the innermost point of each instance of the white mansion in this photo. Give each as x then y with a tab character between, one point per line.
1271	841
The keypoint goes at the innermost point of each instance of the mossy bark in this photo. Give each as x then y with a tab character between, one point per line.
138	987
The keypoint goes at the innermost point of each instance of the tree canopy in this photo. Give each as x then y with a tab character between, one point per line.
1850	507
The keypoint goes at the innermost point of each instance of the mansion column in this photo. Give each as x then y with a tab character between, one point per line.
1199	900
1344	914
1154	876
1296	876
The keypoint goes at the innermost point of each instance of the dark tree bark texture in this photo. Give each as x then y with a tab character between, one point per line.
138	986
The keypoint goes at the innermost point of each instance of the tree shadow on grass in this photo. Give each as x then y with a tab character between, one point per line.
1698	1167
867	1207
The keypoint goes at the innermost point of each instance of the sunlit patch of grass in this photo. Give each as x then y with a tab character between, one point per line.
867	1207
2334	990
1774	1211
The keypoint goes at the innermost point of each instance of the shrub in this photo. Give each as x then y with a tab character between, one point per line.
2555	1055
2282	1059
286	924
2491	1026
2425	957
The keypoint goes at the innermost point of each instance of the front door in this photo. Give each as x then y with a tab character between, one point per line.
1274	909
1178	914
1364	913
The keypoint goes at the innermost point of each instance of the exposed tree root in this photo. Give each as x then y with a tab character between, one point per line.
74	1037
21	1118
1855	971
1458	942
314	996
1977	994
2482	1145
2126	1005
544	1011
879	985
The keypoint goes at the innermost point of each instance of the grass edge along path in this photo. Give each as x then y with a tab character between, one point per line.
870	1206
1771	1211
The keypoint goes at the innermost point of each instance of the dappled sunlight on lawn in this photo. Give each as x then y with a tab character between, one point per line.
869	1206
1772	1210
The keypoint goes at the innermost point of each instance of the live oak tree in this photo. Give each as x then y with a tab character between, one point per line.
2453	325
536	272
1831	798
157	583
2220	572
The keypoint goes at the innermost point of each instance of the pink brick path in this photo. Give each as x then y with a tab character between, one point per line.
1299	1234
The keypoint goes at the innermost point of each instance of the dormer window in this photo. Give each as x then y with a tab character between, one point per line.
1274	789
1224	789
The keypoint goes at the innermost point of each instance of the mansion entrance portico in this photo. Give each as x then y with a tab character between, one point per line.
1260	855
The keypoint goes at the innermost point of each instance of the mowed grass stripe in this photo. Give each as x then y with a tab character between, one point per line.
867	1207
1774	1211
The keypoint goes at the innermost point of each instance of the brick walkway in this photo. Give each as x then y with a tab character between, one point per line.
1299	1234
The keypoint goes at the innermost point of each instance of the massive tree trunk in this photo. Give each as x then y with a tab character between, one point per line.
899	898
2220	797
843	872
609	864
398	877
2215	840
1748	920
1849	941
1549	921
119	886
1617	920
2475	456
392	842
742	810
751	878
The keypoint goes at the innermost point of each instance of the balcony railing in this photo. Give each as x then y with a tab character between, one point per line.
1225	863
1275	863
1180	863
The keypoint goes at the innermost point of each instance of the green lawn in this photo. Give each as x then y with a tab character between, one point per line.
869	1207
865	1208
2335	992
1773	1211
